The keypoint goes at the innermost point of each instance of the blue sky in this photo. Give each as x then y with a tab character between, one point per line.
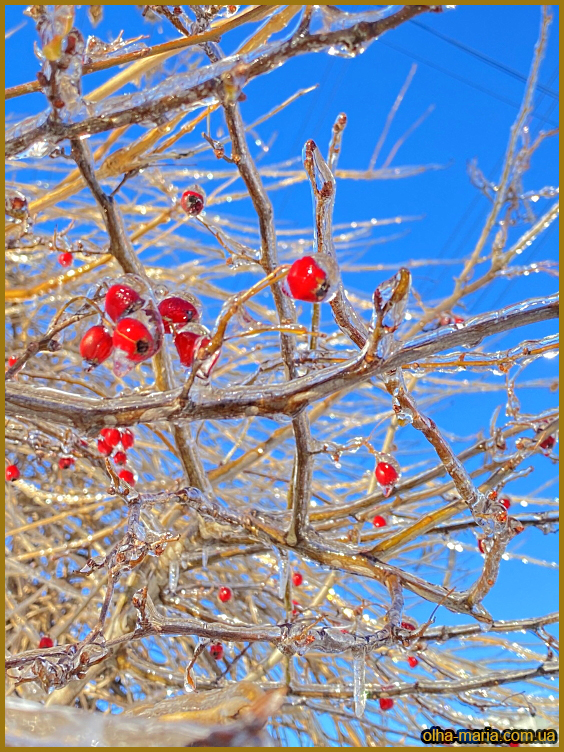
475	104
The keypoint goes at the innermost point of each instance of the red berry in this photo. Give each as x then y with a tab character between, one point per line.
481	548
379	521
12	472
46	642
12	360
386	474
177	311
104	448
111	436
120	458
458	320
506	502
412	660
187	344
297	578
386	703
96	345
408	625
65	259
192	202
307	281
127	476
513	744
216	651
66	462
134	339
127	438
121	300
548	443
224	594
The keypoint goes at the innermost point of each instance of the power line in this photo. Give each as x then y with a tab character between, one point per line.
485	58
490	93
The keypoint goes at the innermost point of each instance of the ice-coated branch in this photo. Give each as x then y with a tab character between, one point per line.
156	107
344	557
440	687
89	415
291	638
393	616
441	634
484	510
300	488
323	188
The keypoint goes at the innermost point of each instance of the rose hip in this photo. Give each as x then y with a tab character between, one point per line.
386	474
127	438
96	345
308	281
134	339
121	300
176	310
111	436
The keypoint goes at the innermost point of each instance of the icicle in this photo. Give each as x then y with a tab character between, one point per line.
283	571
204	557
173	574
359	669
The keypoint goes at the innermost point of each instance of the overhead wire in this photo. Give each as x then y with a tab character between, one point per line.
483	57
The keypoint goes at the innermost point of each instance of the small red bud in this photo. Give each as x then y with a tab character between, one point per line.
413	662
12	360
46	642
297	578
66	462
506	502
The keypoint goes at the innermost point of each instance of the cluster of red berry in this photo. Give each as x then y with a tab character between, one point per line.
137	334
109	440
139	325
